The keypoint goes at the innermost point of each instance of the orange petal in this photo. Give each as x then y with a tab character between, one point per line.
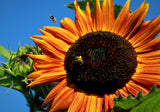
134	88
54	91
109	102
43	58
62	100
147	33
97	17
62	34
99	104
108	14
148	61
94	104
81	20
77	102
148	68
134	21
145	23
152	59
150	55
122	18
89	15
56	43
150	46
124	91
49	77
48	49
84	104
36	74
50	66
147	79
69	25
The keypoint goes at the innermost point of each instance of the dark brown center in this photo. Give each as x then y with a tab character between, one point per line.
100	63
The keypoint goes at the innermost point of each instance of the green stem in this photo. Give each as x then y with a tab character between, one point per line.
30	100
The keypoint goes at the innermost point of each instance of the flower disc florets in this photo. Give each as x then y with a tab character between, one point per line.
100	63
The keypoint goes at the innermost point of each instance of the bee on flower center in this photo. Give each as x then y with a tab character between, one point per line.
79	59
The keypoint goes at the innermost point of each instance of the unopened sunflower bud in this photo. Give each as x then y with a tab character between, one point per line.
19	63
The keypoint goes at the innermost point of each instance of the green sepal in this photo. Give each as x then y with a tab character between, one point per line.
10	81
142	103
5	53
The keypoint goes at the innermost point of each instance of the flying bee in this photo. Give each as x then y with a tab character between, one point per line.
79	59
53	18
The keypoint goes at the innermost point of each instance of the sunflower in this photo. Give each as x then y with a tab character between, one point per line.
97	57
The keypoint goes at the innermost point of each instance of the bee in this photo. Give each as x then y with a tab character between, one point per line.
79	59
53	18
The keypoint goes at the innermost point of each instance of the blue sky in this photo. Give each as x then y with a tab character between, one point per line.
20	19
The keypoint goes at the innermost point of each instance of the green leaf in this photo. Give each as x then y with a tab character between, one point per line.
82	4
117	10
2	71
11	82
146	103
5	53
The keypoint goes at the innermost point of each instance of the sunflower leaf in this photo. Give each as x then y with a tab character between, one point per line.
146	103
5	53
117	10
82	4
10	81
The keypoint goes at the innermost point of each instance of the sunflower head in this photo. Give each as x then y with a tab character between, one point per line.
97	57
